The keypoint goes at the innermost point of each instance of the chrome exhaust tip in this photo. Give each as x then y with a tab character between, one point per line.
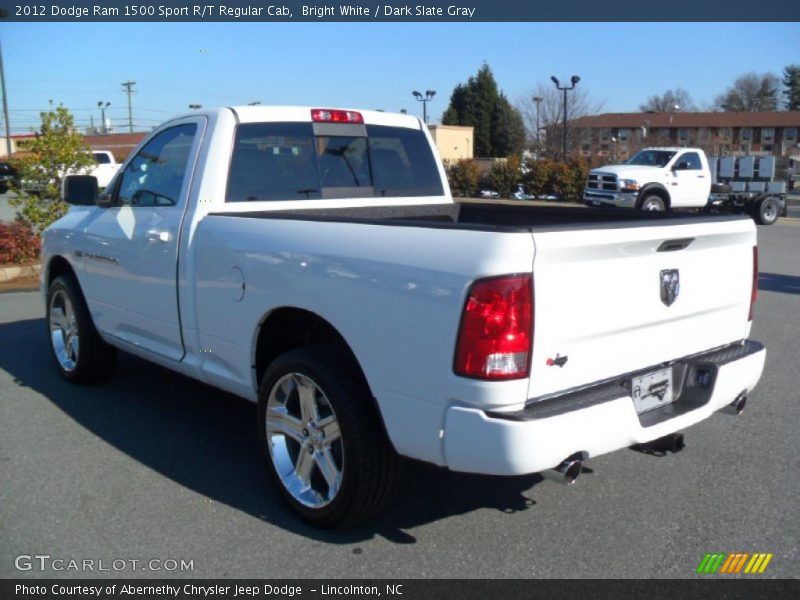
566	473
736	407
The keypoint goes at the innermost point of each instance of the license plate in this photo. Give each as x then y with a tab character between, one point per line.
652	390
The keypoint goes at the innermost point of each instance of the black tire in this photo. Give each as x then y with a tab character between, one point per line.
652	202
767	211
369	463
89	360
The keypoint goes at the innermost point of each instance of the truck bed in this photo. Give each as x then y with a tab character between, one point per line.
486	216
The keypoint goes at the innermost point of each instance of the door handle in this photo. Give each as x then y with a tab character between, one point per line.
155	235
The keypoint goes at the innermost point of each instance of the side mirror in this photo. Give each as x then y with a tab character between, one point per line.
681	166
79	190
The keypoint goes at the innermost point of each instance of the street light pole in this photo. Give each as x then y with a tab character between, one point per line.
429	94
103	108
574	80
538	101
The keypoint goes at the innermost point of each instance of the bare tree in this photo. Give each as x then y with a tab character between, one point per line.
551	115
671	100
750	92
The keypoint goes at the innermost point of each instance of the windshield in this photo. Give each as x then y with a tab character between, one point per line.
651	158
287	161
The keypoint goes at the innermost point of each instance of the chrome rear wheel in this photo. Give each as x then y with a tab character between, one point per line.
304	440
322	437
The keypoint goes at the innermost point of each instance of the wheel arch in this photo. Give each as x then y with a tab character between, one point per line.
655	189
289	327
57	266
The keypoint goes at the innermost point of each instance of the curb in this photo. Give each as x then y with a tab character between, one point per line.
10	273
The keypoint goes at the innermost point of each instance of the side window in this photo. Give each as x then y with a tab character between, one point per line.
692	159
101	158
155	175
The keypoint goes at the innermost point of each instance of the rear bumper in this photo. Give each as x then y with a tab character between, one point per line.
595	420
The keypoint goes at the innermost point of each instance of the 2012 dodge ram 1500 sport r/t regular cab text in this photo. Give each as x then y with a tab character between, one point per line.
313	261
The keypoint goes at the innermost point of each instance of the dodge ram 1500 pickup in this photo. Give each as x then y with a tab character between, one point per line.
313	261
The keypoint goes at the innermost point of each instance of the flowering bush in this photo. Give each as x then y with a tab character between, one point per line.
18	243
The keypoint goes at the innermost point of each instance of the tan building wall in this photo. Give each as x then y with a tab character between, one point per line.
453	141
18	144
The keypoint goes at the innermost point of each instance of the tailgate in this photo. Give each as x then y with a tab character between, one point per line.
598	297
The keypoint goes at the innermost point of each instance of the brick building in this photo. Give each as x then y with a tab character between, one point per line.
612	137
119	144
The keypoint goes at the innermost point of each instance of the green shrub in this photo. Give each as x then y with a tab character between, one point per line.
547	176
505	176
57	150
463	177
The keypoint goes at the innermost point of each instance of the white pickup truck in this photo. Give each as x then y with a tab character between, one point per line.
105	168
654	179
313	261
659	179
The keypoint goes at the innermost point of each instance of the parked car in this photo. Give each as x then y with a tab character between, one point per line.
7	175
313	261
521	195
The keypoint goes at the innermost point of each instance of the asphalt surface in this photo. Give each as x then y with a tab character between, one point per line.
151	465
7	212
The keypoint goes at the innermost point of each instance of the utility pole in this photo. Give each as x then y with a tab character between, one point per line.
129	85
5	106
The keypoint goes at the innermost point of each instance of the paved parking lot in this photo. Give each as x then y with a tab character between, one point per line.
151	465
7	212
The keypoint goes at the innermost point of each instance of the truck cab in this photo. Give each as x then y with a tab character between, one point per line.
653	179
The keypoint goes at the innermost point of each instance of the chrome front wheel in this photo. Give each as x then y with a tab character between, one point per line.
653	203
304	440
64	334
77	349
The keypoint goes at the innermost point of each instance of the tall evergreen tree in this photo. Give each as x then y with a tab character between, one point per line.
499	129
791	85
508	129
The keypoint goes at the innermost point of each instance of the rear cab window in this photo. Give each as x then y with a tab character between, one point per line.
297	161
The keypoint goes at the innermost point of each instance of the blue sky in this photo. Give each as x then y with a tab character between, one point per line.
369	65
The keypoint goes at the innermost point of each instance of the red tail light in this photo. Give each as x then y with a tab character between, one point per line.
329	115
496	333
754	291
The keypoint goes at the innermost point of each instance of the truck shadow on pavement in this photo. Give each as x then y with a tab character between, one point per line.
775	282
206	440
